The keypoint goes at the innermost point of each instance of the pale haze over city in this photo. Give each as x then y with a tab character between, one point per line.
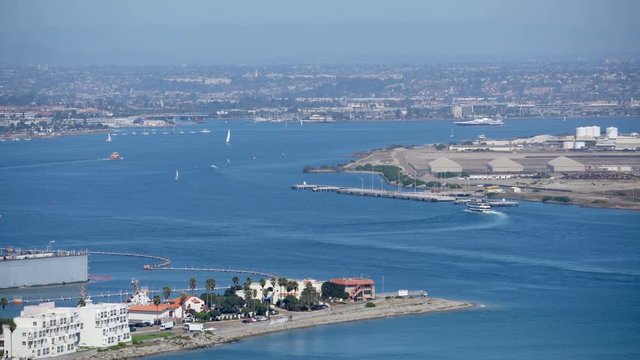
320	180
254	31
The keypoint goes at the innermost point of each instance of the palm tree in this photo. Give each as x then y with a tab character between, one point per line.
255	295
282	282
247	288
4	302
273	281
12	328
183	299
263	283
156	302
193	284
236	281
166	292
211	285
292	286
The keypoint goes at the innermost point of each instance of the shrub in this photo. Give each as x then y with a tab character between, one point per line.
370	305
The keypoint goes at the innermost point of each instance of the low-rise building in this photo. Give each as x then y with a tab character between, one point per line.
504	165
151	312
564	164
358	289
43	331
443	165
191	304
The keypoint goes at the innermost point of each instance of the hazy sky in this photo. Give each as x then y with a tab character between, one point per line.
305	31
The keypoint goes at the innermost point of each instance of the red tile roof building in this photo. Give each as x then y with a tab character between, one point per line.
358	289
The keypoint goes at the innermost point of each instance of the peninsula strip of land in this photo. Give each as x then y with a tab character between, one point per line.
231	331
596	186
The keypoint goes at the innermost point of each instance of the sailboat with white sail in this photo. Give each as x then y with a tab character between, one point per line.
177	175
228	136
108	137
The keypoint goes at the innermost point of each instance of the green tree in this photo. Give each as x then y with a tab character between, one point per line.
247	289
236	282
156	302
333	291
309	295
292	286
210	285
282	282
183	299
82	302
263	283
291	303
166	292
4	302
193	284
273	281
12	328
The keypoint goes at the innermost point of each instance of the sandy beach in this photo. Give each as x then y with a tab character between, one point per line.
231	331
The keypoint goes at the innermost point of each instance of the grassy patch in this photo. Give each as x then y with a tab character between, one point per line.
136	339
598	201
370	305
393	174
114	347
560	199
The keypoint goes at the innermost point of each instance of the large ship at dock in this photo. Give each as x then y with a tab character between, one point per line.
23	268
480	122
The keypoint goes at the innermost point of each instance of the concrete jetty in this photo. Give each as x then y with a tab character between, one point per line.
402	195
416	196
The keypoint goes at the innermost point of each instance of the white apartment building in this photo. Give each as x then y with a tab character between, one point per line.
104	325
43	331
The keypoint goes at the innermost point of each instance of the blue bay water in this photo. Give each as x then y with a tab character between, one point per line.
556	282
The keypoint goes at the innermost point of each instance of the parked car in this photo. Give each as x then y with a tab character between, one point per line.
166	325
261	318
249	321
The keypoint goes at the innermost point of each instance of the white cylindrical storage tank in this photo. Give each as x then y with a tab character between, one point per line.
595	131
581	131
579	145
612	132
590	131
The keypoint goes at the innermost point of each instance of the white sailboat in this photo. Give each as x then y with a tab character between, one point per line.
228	136
177	175
452	135
108	137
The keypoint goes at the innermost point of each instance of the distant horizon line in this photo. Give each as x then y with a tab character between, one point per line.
626	58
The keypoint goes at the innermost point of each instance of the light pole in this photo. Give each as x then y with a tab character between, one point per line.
362	183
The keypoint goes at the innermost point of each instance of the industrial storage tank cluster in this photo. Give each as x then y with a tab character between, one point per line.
588	132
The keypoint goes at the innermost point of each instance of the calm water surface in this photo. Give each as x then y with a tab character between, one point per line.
557	282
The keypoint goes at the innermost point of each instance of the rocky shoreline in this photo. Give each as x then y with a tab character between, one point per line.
390	307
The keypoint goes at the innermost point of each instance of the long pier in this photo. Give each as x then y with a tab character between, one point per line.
402	195
114	294
416	196
162	262
221	270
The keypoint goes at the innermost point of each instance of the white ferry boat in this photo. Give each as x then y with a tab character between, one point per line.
480	122
478	206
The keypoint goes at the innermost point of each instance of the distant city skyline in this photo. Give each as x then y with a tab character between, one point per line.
71	32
